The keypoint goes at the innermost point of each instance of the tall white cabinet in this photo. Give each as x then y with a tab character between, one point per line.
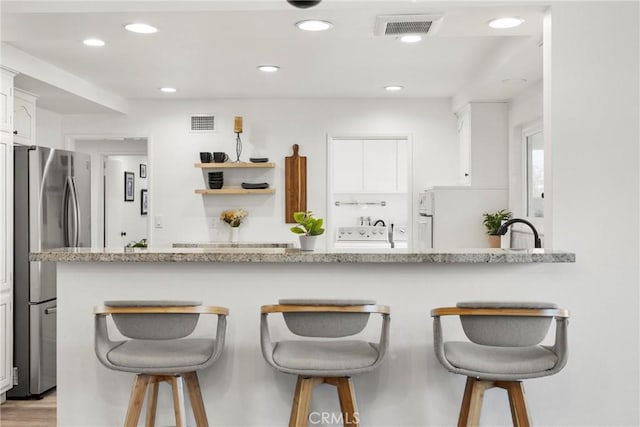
6	230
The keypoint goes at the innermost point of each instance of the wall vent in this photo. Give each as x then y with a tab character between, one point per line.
201	123
398	25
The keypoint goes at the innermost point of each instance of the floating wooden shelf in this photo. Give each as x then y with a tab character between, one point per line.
234	190
231	165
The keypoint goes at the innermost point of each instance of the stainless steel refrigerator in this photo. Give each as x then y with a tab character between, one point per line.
51	210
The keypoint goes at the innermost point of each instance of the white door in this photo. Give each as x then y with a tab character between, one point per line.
114	229
347	166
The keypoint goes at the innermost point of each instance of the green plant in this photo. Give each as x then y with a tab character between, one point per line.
493	221
140	244
307	224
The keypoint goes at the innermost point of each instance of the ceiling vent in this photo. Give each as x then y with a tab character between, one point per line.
399	25
202	123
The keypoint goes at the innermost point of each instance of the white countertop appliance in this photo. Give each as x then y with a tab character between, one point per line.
362	237
451	217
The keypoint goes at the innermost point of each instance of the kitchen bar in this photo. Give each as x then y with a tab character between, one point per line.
410	388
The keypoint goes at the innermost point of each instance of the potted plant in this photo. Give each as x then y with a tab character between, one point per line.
308	229
493	221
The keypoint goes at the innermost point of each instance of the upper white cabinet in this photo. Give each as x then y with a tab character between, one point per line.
369	166
464	145
24	117
6	101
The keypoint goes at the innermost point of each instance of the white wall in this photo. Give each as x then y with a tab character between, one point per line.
130	220
48	128
592	120
271	126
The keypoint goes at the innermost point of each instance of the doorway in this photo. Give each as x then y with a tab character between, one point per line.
120	189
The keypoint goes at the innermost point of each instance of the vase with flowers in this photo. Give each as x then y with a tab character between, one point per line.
234	218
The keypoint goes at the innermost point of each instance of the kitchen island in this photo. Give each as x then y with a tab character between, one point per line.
410	389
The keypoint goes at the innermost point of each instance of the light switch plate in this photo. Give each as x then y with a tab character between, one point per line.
157	221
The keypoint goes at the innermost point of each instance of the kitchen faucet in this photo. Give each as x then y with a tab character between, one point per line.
379	222
504	227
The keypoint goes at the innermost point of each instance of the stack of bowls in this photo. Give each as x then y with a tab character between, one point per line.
215	180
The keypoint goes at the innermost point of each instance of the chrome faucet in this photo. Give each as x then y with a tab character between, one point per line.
504	227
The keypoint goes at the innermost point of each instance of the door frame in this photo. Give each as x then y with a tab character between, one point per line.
97	201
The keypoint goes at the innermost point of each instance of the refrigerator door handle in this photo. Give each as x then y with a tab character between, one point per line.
76	212
65	211
51	310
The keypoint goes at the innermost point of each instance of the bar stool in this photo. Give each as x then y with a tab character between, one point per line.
159	352
504	349
332	361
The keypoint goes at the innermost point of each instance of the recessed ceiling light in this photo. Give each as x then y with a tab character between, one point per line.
140	28
268	68
314	25
93	42
168	89
506	22
411	38
393	88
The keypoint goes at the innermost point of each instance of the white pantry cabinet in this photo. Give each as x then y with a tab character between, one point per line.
369	166
6	230
24	117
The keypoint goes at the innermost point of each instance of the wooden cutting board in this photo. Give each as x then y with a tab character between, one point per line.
295	179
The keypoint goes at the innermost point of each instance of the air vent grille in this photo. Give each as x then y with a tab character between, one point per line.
397	25
398	28
203	123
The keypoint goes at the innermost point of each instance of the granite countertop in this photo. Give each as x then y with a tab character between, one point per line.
290	255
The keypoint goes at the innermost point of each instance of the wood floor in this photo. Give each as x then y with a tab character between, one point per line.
29	413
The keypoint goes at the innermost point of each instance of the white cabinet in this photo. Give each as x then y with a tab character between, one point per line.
24	117
6	100
369	166
6	230
6	345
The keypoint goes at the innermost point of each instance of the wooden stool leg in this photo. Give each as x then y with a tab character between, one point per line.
136	400
518	403
178	400
302	400
152	403
472	402
195	396
348	406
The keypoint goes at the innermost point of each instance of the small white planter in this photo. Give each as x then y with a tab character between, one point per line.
307	243
233	236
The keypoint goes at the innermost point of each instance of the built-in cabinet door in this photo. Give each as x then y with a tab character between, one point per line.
6	102
6	346
402	164
347	166
24	117
380	166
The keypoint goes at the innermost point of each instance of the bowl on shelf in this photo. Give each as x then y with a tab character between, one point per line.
254	186
258	159
215	185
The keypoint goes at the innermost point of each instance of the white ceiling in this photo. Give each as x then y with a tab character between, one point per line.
211	49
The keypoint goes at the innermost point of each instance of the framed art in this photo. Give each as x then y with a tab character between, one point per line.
144	202
129	186
143	170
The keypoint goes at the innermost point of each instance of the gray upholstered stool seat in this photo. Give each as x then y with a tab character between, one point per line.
525	362
504	349
158	348
327	358
342	357
160	357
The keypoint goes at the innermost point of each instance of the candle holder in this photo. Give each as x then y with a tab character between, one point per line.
238	147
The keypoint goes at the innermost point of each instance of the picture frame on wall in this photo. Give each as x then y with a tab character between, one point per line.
129	186
144	202
143	170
